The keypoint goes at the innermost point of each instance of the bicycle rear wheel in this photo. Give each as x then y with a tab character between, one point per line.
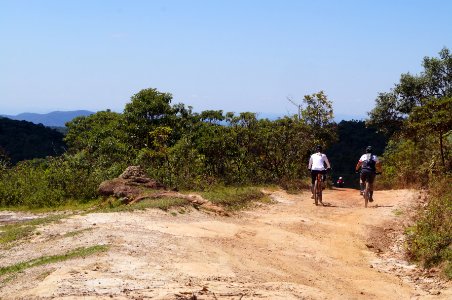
316	192
319	188
366	194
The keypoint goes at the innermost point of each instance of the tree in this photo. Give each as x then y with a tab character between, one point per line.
319	110
100	134
433	117
433	83
147	110
318	114
386	116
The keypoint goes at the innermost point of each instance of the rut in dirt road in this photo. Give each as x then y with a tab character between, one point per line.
288	250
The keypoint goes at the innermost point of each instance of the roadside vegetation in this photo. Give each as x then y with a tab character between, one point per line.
416	117
430	239
179	148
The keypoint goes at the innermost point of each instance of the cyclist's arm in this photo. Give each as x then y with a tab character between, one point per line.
358	165
310	163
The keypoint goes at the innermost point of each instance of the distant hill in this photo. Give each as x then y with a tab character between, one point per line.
52	119
21	140
337	117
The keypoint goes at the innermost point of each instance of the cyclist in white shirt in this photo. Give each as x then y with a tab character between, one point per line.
316	165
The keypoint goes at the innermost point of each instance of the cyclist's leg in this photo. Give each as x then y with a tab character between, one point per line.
362	185
323	178
362	181
371	179
313	177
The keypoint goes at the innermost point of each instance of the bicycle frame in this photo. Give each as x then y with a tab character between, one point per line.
366	193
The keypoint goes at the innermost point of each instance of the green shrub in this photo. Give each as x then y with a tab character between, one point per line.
430	239
53	182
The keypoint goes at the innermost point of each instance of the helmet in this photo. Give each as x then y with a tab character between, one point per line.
340	177
318	148
369	149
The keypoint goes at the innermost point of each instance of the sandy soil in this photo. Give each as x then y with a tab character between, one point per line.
288	250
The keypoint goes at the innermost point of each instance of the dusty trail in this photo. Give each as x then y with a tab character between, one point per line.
288	250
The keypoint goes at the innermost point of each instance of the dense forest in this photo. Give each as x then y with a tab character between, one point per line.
353	138
22	140
410	126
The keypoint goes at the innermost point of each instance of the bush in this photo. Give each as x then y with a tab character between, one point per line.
53	181
27	185
430	239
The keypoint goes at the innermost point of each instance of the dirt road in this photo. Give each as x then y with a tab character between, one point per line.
287	250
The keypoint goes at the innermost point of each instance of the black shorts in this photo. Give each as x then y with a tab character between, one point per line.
367	176
314	175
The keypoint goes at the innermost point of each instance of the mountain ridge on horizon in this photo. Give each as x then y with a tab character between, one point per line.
59	118
52	119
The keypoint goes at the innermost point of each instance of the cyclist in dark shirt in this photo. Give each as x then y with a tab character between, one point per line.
370	166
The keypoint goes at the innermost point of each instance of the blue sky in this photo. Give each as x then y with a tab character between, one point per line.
230	55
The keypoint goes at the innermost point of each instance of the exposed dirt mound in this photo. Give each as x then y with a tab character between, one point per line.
133	186
129	185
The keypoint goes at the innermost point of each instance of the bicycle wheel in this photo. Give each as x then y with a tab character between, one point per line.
366	194
319	189
316	192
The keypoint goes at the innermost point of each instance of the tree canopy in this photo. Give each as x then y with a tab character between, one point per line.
419	107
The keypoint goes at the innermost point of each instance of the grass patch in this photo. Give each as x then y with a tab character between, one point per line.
72	205
235	198
79	252
77	232
296	186
397	212
165	203
14	232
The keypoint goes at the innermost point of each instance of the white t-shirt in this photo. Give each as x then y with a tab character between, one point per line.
364	157
317	161
367	162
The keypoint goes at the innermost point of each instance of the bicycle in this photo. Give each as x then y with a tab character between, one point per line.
318	189
366	193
